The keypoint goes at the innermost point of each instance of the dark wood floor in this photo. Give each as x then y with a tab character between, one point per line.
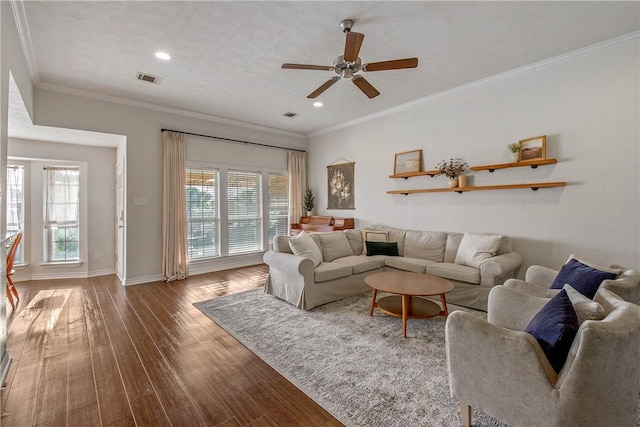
89	352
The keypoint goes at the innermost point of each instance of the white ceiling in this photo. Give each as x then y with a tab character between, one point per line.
227	55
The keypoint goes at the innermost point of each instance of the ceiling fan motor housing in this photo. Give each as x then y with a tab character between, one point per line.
346	69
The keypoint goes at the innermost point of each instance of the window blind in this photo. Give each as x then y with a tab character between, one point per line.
203	221
244	201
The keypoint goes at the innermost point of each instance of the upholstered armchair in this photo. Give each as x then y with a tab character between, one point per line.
538	280
496	367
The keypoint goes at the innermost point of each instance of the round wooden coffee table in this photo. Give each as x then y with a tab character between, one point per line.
408	286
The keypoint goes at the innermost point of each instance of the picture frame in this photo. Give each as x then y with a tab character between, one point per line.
532	149
407	162
341	186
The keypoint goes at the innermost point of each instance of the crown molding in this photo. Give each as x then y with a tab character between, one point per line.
545	63
171	110
20	16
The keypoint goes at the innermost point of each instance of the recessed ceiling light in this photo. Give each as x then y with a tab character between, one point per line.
163	55
317	104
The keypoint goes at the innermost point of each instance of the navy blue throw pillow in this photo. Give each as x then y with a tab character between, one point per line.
382	248
581	277
554	327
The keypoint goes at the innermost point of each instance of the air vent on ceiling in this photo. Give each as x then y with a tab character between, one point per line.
290	114
149	78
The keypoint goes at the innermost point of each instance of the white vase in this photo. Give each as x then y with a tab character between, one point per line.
515	157
308	213
453	183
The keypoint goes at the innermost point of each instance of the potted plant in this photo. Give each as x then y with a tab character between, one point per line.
309	202
515	148
452	169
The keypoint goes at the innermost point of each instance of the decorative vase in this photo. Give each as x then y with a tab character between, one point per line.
453	182
462	181
515	157
308	213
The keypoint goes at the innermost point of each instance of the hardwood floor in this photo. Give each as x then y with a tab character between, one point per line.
90	352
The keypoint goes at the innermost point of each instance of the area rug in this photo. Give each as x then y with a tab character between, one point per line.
357	367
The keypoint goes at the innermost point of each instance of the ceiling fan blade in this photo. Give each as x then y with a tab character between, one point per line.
365	86
326	85
395	64
352	46
307	67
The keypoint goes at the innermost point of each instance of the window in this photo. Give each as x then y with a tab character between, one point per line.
244	201
278	204
15	206
62	214
203	220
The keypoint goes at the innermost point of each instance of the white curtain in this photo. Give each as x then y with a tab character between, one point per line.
175	265
63	195
297	184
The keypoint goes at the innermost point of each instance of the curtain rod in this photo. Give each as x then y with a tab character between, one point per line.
233	140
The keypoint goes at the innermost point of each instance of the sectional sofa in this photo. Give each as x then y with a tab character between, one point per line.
335	264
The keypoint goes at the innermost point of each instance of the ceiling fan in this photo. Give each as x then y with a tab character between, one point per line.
347	65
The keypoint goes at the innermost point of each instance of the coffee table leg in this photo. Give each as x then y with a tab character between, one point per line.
373	301
406	307
445	310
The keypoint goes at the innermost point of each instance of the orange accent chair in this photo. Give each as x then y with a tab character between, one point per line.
11	289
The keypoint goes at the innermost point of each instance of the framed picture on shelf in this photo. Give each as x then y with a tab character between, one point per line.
408	161
533	149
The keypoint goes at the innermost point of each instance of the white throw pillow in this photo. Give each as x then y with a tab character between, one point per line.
373	236
475	248
585	308
304	246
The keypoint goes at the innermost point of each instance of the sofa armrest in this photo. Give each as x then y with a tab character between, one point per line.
289	275
530	288
504	266
512	309
539	275
489	364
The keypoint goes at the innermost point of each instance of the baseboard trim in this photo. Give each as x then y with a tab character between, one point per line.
64	275
142	280
225	263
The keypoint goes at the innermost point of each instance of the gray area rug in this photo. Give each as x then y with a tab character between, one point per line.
357	367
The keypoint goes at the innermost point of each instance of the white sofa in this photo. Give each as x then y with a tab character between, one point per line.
343	268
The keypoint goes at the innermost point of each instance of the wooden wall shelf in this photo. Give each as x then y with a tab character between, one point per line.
532	185
407	175
533	163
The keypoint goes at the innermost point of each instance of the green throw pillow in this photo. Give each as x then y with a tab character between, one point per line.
382	248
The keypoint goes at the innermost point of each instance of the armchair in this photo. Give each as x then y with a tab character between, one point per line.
538	280
498	368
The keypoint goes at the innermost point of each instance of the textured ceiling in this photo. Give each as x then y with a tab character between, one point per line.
227	55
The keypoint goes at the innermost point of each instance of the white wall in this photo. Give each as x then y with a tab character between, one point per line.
98	176
143	161
587	105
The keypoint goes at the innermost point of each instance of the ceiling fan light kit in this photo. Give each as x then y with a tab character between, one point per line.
349	64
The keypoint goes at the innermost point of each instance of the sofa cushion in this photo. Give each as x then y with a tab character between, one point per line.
458	272
417	265
281	244
373	236
382	248
616	269
475	248
425	244
395	235
361	263
355	241
505	245
451	247
581	277
331	270
334	245
585	308
303	245
554	327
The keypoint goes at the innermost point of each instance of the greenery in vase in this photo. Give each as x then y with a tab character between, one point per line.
452	168
514	147
309	201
